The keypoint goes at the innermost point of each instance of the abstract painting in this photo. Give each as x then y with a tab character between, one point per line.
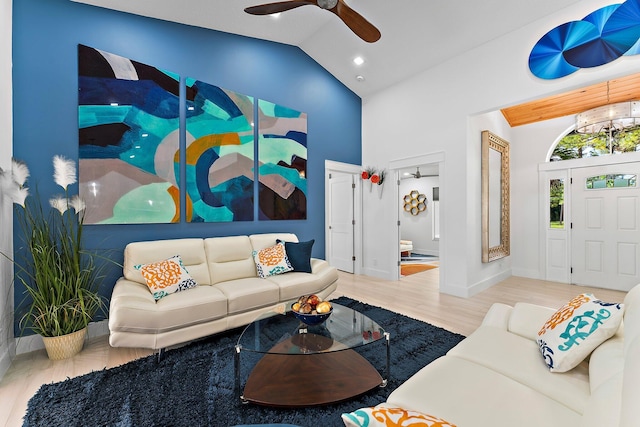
220	154
597	39
128	119
282	160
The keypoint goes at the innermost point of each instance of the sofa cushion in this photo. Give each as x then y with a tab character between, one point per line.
384	416
261	241
229	258
299	255
293	285
248	294
272	260
133	309
578	327
469	394
190	250
166	277
518	358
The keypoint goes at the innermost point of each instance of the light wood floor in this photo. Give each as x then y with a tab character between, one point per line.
416	296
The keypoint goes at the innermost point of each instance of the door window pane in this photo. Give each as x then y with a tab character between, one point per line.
619	180
556	203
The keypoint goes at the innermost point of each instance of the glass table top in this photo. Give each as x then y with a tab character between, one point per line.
276	333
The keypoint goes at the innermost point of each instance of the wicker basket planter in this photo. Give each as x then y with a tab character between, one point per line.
65	346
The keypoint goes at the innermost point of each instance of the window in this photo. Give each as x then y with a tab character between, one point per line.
619	180
578	145
556	203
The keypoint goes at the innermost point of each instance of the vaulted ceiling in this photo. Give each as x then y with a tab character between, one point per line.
416	34
576	101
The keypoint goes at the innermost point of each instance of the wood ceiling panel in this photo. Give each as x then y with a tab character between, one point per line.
575	101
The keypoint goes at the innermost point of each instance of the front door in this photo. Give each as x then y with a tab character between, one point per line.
605	231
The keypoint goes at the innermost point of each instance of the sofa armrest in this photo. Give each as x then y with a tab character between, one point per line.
498	316
527	319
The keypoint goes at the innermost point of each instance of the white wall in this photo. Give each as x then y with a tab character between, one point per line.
7	345
441	110
419	228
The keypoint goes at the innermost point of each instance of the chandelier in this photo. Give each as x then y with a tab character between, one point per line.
609	118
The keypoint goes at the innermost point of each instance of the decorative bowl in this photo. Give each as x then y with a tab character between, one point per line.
312	319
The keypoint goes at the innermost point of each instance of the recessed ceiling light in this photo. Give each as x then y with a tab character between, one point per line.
275	15
360	78
358	60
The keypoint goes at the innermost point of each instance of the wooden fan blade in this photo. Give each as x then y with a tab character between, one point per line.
270	8
356	22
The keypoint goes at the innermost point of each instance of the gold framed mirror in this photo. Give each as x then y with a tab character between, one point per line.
495	197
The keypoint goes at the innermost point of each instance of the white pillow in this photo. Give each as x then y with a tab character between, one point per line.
576	329
166	277
272	260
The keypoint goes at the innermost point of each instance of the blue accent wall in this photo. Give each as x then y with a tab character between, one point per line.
46	34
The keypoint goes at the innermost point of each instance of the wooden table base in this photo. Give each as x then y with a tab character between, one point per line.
287	380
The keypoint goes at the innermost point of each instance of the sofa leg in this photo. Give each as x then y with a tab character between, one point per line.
160	354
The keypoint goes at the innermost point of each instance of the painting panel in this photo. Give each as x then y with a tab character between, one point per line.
282	158
220	154
128	119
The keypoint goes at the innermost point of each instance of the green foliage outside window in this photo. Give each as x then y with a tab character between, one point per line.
576	145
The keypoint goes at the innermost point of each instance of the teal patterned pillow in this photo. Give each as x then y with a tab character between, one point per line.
272	260
383	416
576	329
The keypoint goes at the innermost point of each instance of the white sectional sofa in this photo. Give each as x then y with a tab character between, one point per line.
228	294
496	377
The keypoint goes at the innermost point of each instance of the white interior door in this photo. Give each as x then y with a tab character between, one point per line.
341	221
605	230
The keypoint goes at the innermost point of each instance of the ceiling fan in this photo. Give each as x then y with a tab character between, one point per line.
416	175
356	22
419	175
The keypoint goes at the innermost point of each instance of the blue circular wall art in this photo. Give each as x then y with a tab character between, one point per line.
601	37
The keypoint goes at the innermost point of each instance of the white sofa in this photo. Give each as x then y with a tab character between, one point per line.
497	377
229	292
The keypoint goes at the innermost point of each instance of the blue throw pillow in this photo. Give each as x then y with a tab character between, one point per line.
299	255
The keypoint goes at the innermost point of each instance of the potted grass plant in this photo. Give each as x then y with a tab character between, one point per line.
60	277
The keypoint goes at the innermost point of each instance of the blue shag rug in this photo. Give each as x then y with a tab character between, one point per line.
194	385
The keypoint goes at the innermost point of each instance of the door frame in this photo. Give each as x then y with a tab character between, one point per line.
544	171
339	167
411	162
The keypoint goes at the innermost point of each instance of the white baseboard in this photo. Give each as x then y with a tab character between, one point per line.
31	343
483	285
529	274
431	252
381	274
6	356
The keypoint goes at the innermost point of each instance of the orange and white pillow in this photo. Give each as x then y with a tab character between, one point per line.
576	329
166	277
383	416
272	260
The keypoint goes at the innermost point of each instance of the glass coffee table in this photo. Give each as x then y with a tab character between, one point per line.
303	365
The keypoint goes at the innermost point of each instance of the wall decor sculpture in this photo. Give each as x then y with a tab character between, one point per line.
220	154
128	119
282	159
415	202
599	38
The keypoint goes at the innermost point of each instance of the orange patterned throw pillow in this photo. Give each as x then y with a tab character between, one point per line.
166	277
272	260
576	329
383	416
